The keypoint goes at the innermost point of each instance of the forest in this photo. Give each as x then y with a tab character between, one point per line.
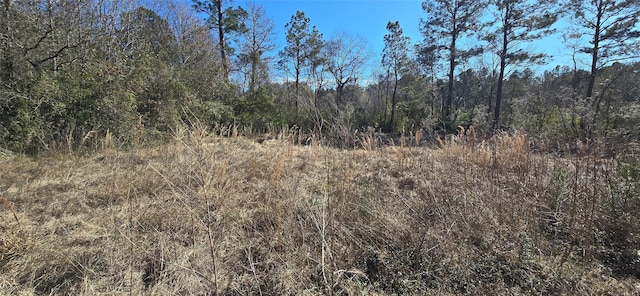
173	148
77	71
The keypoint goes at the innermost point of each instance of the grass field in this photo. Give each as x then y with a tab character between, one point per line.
210	215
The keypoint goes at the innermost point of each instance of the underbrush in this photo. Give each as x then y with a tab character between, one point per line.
219	216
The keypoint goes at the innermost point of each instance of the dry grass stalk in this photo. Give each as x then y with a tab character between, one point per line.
13	241
217	213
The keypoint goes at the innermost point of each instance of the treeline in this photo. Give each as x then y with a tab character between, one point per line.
73	72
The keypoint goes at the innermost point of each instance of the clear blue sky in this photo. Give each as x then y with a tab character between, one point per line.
368	18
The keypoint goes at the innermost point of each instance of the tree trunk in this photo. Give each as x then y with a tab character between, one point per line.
452	66
594	56
386	96
297	88
394	101
7	59
594	71
503	65
339	92
223	47
255	59
491	90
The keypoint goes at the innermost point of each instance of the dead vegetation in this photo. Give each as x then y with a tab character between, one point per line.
209	215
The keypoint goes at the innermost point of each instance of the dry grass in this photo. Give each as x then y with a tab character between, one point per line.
209	215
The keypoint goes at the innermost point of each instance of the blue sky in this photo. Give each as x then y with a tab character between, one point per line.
368	19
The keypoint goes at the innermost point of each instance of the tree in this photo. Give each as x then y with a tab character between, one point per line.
200	66
41	41
346	55
148	34
302	48
7	58
316	70
258	40
396	60
447	23
426	61
316	60
44	34
612	29
518	21
152	59
473	88
226	21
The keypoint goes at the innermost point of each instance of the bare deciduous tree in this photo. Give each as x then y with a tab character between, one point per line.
346	57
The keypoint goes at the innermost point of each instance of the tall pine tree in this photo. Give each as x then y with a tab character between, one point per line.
302	48
517	22
612	29
447	23
225	20
396	60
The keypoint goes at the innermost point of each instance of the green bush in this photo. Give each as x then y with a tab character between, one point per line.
208	112
257	109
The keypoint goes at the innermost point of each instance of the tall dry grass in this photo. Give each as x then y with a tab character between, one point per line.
216	213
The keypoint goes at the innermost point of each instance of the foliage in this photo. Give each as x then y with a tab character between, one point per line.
257	109
206	112
78	82
258	41
303	51
226	21
412	114
395	59
611	27
517	21
138	111
448	24
73	72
